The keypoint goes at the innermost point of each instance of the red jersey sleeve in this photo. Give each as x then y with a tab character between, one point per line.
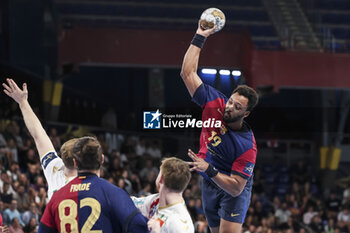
47	219
244	164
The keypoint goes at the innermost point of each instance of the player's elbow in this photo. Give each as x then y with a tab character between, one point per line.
236	185
35	136
38	135
235	191
184	74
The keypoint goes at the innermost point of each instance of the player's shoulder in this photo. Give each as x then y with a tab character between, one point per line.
245	135
107	187
214	93
105	184
144	199
153	197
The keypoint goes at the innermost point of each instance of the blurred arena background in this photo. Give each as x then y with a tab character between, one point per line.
94	67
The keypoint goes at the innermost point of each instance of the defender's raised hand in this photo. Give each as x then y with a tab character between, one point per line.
42	140
198	163
12	90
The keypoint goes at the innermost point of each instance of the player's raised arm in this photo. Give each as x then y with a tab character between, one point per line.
42	140
190	62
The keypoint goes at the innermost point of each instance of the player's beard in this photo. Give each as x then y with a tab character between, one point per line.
227	118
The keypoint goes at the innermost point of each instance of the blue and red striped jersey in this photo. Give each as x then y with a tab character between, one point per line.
91	204
227	150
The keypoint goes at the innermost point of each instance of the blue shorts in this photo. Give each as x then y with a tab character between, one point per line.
219	204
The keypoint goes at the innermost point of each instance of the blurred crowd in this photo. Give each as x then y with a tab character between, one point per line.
291	200
132	163
284	199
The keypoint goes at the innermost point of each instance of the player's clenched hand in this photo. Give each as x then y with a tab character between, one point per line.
12	90
153	225
204	32
198	163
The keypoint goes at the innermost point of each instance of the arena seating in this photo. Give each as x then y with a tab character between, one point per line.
335	15
241	16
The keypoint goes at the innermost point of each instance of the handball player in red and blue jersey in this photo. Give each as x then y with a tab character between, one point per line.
227	154
89	203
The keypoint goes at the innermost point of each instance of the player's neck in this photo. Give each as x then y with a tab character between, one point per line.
96	172
70	172
235	126
166	198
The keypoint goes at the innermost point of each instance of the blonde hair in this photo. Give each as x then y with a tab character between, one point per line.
176	174
67	153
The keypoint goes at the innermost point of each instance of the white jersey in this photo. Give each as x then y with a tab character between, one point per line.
173	218
53	168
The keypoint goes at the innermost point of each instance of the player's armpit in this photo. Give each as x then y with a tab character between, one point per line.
45	229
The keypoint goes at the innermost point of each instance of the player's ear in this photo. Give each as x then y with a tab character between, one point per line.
161	178
75	163
246	114
103	159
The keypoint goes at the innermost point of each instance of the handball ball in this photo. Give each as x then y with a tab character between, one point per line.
211	17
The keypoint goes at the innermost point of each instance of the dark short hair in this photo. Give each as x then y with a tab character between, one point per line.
249	93
87	152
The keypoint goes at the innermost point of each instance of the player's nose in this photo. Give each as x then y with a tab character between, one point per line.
229	107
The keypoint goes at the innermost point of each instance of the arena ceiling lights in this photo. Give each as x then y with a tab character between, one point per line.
222	72
209	71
